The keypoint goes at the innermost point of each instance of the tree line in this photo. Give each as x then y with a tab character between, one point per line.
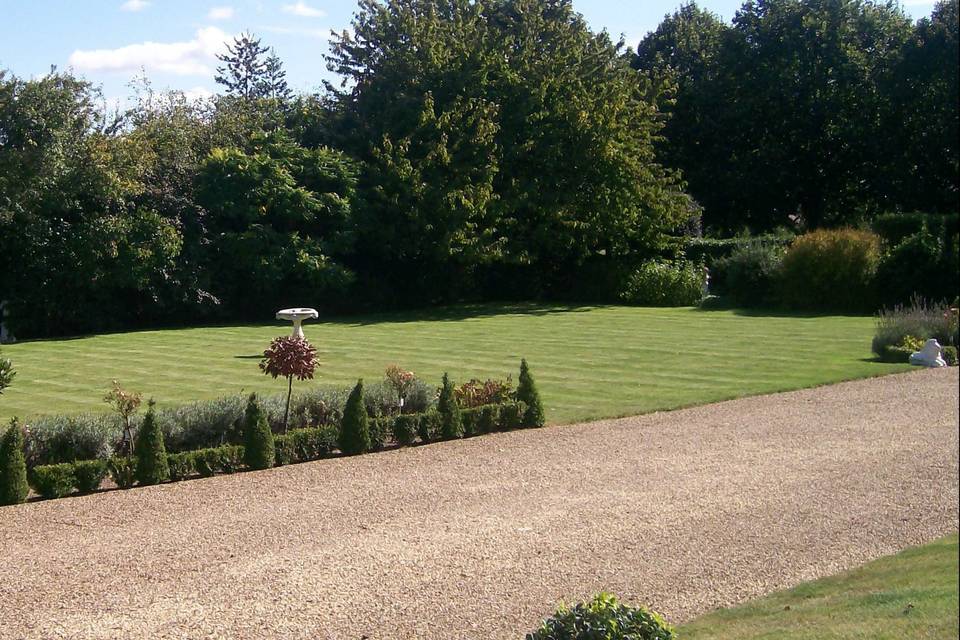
497	150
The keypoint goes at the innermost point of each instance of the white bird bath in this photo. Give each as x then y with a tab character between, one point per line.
297	316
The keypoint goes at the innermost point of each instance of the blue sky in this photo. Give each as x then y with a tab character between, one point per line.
108	41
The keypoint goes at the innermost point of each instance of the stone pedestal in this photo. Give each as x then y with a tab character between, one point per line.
297	316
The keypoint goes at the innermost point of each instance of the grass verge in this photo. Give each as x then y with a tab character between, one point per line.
908	596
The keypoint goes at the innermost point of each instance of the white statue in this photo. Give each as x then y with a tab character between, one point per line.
297	316
929	356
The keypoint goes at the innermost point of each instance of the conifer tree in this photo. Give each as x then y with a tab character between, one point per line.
13	468
354	429
451	424
151	454
258	452
528	394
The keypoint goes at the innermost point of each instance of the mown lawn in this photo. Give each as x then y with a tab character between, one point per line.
589	361
908	596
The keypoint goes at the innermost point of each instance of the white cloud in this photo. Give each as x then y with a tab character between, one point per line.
181	58
220	13
299	31
197	93
303	10
134	5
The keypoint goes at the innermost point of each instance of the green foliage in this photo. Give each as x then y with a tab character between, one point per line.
354	429
88	474
303	445
711	250
257	437
896	354
919	320
950	355
451	426
457	170
818	150
123	471
922	264
69	216
512	415
527	394
662	283
489	418
381	429
276	216
749	275
53	480
603	618
428	427
181	465
13	468
470	418
249	74
405	428
831	270
894	228
150	452
6	373
225	459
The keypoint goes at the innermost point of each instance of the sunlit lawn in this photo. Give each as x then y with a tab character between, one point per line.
909	596
588	361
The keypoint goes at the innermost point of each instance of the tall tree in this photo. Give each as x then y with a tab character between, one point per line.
686	48
68	216
244	73
923	128
503	133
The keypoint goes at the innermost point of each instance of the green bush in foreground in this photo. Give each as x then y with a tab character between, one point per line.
181	465
950	356
489	418
150	452
405	428
88	474
258	445
603	618
428	426
123	471
52	480
303	445
528	394
355	430
13	467
451	424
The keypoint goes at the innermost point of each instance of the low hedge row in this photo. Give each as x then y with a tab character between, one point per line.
297	445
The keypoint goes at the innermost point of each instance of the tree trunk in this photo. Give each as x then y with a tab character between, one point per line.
286	415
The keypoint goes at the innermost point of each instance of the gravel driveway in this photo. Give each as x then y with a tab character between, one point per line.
686	511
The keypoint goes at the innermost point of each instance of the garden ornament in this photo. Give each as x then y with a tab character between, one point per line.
297	316
929	356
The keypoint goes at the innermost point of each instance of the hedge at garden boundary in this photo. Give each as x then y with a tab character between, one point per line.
295	446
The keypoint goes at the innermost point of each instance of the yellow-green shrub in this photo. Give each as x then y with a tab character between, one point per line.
831	270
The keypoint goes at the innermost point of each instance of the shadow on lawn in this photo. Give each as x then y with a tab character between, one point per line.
461	312
718	304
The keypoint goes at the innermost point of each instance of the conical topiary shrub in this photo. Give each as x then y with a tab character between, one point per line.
152	465
451	424
13	468
258	449
528	394
354	429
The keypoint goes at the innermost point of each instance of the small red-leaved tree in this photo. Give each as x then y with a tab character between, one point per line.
290	357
